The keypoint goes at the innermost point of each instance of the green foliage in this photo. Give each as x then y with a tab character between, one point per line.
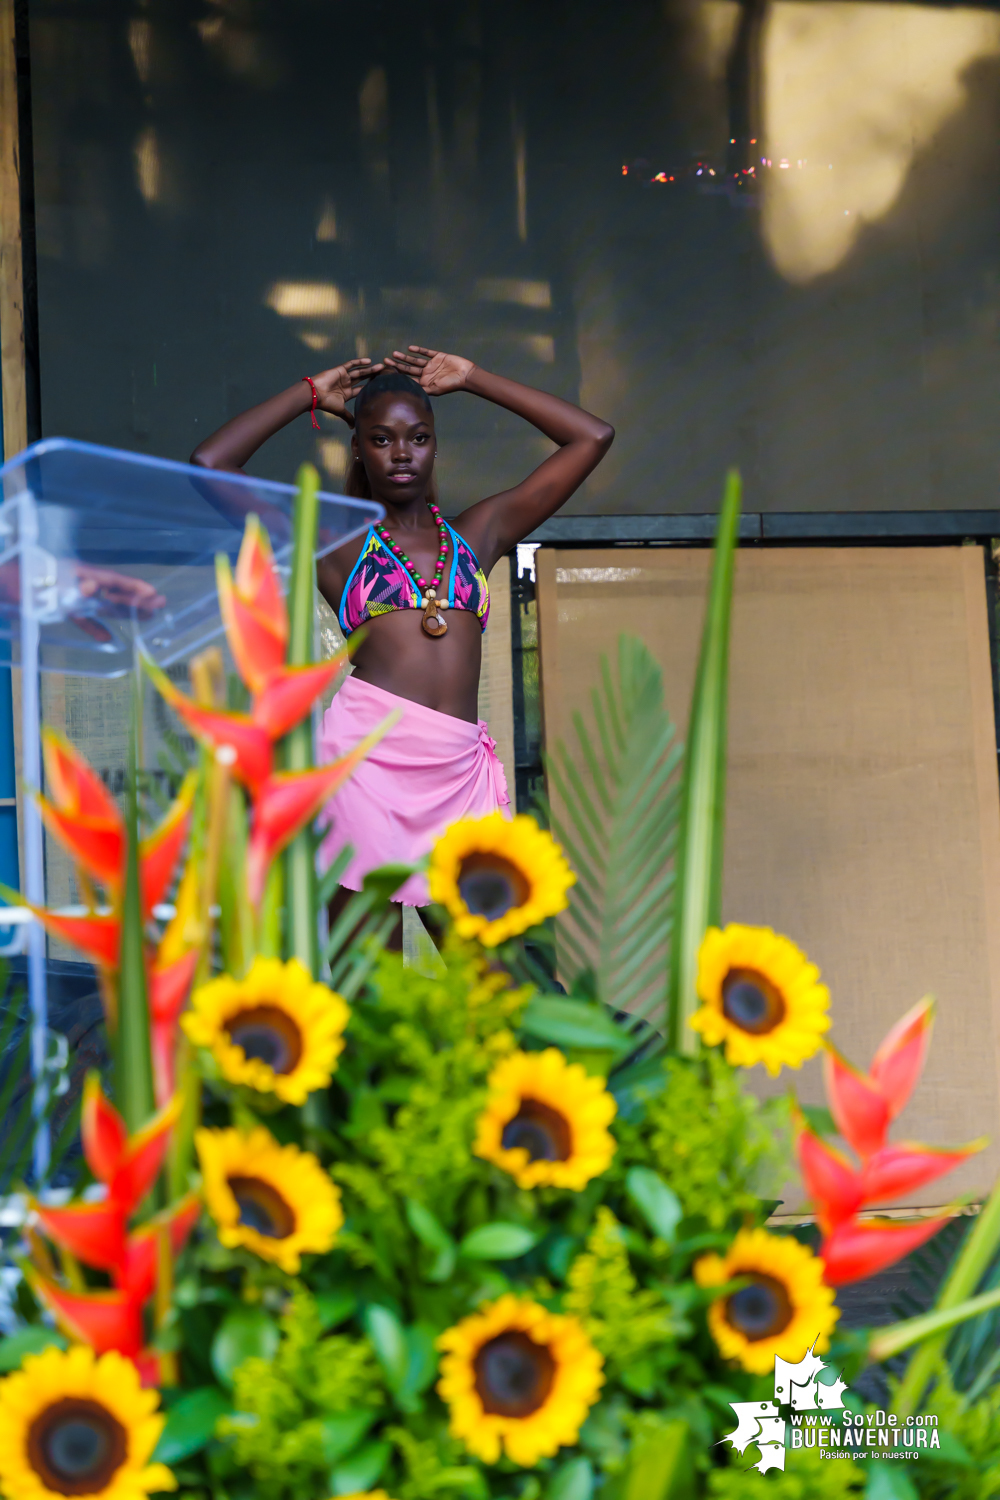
969	1464
717	1146
620	829
703	794
634	1327
277	1430
806	1477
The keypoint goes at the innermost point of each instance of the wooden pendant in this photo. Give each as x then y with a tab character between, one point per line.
433	622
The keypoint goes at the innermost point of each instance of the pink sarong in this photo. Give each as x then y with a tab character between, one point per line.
426	773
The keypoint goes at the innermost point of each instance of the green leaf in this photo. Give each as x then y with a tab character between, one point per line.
134	1093
634	1086
428	1230
819	1119
245	1333
661	1467
422	1360
334	1308
573	1481
498	1241
342	1433
27	1341
615	812
655	1200
360	1470
889	1482
302	938
894	1338
388	1339
191	1424
572	1023
703	794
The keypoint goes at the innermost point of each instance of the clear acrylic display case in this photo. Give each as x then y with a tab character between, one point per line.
102	551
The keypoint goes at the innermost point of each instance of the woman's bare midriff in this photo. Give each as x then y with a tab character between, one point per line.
439	672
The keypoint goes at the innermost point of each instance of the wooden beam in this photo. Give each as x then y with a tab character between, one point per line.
13	389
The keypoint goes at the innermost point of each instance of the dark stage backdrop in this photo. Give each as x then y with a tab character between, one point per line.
752	233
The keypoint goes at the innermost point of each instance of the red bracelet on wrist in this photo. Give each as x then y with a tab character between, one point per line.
312	386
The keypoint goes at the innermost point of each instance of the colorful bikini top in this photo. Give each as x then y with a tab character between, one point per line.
379	583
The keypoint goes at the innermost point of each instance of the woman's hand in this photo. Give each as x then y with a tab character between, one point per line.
438	373
336	387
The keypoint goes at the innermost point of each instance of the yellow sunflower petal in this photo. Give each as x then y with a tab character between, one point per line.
73	1423
274	1200
555	1117
276	1030
529	870
760	996
553	1351
785	1309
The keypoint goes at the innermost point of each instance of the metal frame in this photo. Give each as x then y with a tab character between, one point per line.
867	527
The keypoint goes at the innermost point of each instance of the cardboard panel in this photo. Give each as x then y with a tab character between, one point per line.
863	808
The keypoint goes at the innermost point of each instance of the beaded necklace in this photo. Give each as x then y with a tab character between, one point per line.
433	622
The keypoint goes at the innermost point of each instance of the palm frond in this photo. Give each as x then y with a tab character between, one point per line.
616	795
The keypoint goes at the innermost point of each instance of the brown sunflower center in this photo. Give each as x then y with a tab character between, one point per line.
262	1207
540	1130
269	1034
760	1310
490	885
514	1375
76	1446
752	1002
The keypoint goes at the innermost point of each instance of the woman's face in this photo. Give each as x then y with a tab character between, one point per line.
395	441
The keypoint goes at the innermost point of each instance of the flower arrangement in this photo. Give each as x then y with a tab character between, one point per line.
400	1234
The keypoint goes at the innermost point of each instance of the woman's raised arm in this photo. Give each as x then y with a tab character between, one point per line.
231	446
495	525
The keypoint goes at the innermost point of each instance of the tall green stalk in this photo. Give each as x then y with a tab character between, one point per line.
970	1266
134	1094
300	866
698	899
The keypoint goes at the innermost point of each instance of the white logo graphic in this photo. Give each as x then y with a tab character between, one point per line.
761	1422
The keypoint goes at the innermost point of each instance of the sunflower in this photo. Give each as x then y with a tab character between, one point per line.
73	1424
545	1121
785	1307
275	1200
761	996
276	1030
517	1376
498	876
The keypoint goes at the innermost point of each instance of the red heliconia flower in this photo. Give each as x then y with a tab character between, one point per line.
104	1320
253	608
290	799
138	1272
169	986
129	1165
98	844
93	1232
862	1247
905	1166
159	853
833	1184
290	692
215	728
97	936
862	1105
858	1106
81	812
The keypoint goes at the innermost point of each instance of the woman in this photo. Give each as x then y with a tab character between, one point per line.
419	588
